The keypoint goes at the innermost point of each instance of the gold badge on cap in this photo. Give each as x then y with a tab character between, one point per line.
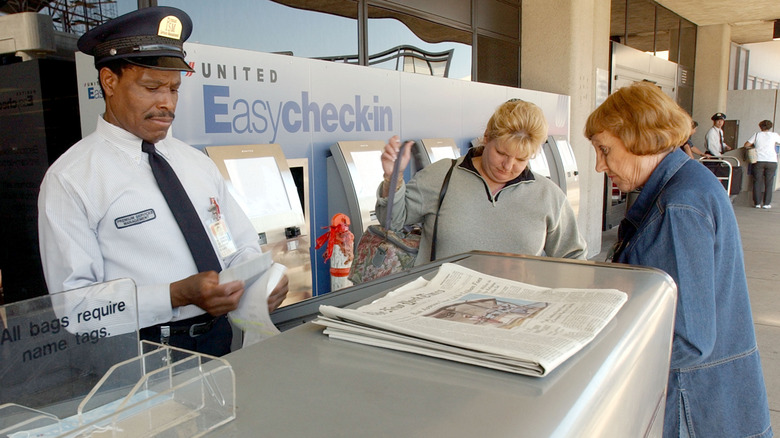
170	27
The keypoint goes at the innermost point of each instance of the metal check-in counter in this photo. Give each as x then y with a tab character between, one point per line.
301	383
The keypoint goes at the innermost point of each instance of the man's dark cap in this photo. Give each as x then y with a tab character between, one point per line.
149	37
718	116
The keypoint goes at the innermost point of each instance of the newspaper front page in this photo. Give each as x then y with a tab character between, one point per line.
467	316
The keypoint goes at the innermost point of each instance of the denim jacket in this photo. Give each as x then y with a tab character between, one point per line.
683	223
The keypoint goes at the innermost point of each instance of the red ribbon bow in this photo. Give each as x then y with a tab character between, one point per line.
339	226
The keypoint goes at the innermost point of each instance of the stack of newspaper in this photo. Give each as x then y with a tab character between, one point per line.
467	316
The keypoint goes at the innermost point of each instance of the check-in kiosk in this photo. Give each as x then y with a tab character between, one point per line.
260	179
354	173
563	167
430	150
614	387
615	203
539	164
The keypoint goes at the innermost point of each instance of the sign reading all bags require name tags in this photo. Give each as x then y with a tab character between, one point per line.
56	347
35	328
467	316
52	324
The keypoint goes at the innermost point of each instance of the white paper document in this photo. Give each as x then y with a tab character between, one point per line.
467	316
247	271
260	278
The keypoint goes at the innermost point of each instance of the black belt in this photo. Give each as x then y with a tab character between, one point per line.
194	330
194	327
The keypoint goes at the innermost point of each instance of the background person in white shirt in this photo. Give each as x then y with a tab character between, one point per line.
765	167
713	141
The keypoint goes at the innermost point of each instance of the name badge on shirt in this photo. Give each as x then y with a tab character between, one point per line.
220	231
135	218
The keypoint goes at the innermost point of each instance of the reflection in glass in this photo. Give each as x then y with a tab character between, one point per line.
641	23
268	26
687	51
328	30
404	58
667	34
617	23
415	45
494	55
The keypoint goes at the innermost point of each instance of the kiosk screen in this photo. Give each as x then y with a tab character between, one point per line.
440	153
260	180
257	185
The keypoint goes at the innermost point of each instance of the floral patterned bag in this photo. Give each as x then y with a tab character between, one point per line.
382	252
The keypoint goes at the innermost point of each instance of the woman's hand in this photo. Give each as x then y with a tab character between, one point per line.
278	294
390	154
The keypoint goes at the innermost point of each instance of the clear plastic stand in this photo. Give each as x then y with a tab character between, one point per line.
72	366
15	420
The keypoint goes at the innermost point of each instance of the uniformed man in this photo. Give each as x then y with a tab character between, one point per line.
131	201
713	141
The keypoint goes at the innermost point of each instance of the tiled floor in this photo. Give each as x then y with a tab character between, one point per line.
760	231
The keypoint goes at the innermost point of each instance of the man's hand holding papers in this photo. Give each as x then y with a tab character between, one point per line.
260	275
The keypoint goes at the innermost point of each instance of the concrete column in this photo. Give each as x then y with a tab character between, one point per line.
563	43
713	48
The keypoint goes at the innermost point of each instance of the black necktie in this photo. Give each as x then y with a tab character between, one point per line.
183	211
720	146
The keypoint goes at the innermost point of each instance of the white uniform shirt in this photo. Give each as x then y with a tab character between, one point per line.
102	217
764	142
714	141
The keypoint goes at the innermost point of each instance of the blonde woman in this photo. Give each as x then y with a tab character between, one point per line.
494	202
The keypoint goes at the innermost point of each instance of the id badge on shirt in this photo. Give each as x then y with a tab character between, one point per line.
220	231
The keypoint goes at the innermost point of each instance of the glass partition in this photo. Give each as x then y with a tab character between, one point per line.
57	347
399	41
72	366
328	30
495	54
641	25
268	26
667	34
649	27
687	52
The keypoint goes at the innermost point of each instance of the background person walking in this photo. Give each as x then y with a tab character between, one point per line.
765	168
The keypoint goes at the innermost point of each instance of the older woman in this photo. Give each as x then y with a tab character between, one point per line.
493	202
683	223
